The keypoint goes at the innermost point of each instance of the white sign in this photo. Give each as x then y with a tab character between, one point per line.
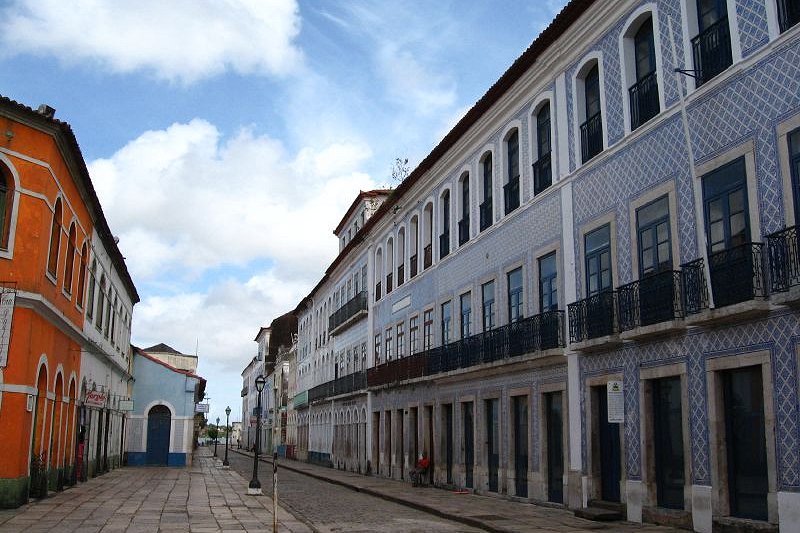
126	405
6	314
95	398
616	402
201	408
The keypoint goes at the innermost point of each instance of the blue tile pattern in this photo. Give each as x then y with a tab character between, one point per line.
751	16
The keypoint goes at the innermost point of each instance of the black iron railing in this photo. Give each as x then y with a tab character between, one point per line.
377	291
591	137
542	174
428	256
343	385
737	274
644	100
412	266
653	299
463	230
537	333
389	277
355	305
486	214
695	288
511	194
712	51
444	244
784	259
788	13
593	317
401	274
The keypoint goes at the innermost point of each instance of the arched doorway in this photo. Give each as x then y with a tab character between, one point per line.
158	427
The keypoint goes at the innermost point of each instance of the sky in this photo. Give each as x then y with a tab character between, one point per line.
227	138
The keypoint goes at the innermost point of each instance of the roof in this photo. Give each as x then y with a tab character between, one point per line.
146	355
566	18
362	195
84	181
283	329
163	348
260	332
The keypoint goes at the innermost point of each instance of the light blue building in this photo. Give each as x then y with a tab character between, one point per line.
161	428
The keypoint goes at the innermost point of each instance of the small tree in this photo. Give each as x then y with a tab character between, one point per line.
400	170
213	432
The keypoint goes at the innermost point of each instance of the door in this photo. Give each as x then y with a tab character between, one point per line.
609	447
493	442
448	441
521	446
746	443
469	445
668	442
158	429
554	424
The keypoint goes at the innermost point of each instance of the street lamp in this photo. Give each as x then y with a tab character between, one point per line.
216	436
255	484
227	432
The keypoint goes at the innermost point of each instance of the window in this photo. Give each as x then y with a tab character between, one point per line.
466	314
711	48
108	314
598	260
444	238
82	274
463	224
92	283
6	205
592	128
725	202
363	355
794	164
401	340
542	168
788	13
485	208
653	236
511	188
69	264
487	298
643	94
515	301
548	283
413	334
55	240
377	349
447	319
100	302
427	330
388	344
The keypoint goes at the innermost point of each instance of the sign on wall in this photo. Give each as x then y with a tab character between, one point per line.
616	402
126	405
6	314
201	408
95	398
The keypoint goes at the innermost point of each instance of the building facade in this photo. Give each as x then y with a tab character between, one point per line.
587	290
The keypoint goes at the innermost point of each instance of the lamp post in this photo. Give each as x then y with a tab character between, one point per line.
216	437
255	484
227	433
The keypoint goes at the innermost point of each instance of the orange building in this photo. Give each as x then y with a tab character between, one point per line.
50	218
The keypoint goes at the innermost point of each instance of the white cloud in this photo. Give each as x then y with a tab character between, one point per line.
183	201
412	84
183	40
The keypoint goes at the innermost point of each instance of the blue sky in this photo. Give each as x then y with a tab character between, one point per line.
226	144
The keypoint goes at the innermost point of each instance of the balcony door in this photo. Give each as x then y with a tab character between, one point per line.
656	294
794	163
600	304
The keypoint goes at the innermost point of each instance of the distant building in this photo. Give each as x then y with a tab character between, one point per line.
173	357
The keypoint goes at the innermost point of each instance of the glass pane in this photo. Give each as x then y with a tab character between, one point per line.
647	259
663	253
606	279
598	238
593	284
717	233
663	232
736	201
547	266
715	211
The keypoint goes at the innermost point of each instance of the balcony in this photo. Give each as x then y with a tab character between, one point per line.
542	174
463	231
350	313
643	98
444	244
397	370
650	306
377	291
428	256
485	210
593	321
511	194
401	275
389	283
412	266
788	14
784	266
712	51
591	137
344	385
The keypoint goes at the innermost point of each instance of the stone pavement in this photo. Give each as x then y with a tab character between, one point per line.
483	512
198	499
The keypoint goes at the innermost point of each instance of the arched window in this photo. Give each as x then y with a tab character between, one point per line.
463	223
589	110
414	235
69	263
378	273
100	303
427	235
92	285
389	264
401	256
640	70
55	240
486	212
444	237
542	168
6	205
511	187
82	274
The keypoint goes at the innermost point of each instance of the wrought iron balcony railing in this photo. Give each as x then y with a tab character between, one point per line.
653	299
542	174
401	274
444	244
412	266
784	259
644	100
712	51
788	14
486	214
695	288
737	274
463	230
428	259
593	317
591	137
377	291
389	277
344	385
511	194
357	304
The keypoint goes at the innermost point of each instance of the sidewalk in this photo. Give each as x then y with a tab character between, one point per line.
484	512
198	499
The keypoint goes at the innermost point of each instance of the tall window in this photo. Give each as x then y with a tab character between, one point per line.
82	273
652	229
69	264
463	224
794	162
598	260
401	340
413	334
511	188
444	238
92	284
55	239
108	313
486	213
487	299
542	168
515	300
466	314
711	48
6	205
788	13
725	201
377	349
548	283
101	302
592	128
643	94
447	321
427	330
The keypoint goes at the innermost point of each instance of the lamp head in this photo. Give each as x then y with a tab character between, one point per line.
228	410
217	420
261	381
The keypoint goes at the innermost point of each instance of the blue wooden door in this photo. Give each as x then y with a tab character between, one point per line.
158	426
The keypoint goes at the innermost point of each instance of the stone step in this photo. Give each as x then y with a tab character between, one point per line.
598	514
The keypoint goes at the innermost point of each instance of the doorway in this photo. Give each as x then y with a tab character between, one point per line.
493	442
520	408
608	446
469	444
554	424
158	430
